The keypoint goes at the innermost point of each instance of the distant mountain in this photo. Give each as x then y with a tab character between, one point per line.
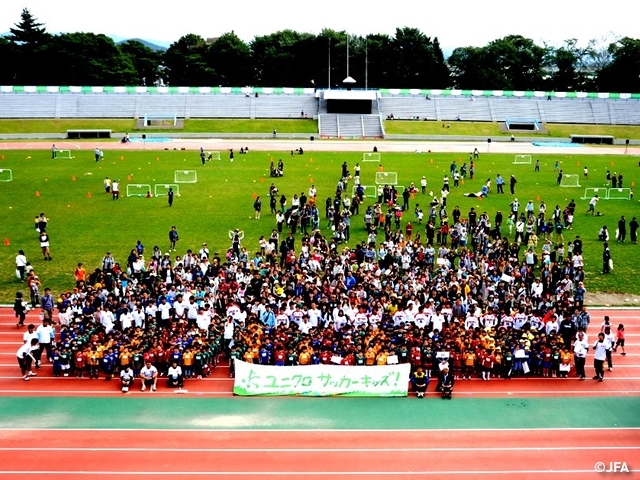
152	44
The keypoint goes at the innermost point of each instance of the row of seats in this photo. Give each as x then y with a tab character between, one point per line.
105	105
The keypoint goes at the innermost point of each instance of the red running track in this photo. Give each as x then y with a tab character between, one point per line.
468	454
623	381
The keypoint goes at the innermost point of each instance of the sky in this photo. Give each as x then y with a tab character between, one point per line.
456	24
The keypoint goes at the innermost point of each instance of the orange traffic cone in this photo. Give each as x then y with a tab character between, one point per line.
73	178
128	177
6	242
262	179
37	193
254	195
121	157
88	194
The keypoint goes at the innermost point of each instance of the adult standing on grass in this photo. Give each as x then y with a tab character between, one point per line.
97	154
115	190
622	229
633	230
173	238
21	265
44	245
25	358
54	151
512	184
170	196
606	259
257	207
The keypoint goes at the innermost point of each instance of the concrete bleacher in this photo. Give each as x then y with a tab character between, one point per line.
283	106
408	108
328	125
350	125
372	125
89	104
27	106
450	108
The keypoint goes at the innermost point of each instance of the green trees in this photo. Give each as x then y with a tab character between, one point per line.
407	59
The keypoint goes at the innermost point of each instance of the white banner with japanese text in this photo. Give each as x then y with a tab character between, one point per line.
322	380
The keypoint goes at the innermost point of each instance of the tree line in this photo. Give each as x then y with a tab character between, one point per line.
408	59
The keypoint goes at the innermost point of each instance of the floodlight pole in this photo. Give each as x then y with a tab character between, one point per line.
329	69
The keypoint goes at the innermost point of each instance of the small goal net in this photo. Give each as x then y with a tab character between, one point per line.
386	178
138	189
369	191
569	180
371	157
619	194
589	193
64	154
522	159
160	119
161	189
6	175
185	176
213	156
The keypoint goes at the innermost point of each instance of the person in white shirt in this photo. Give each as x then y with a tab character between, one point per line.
25	358
599	356
174	376
30	334
471	322
126	378
126	320
149	376
437	320
21	265
610	341
45	334
107	320
580	347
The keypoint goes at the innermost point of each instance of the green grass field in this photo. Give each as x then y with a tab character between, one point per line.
83	228
308	126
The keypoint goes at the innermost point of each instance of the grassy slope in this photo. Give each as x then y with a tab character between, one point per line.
395	127
486	129
83	228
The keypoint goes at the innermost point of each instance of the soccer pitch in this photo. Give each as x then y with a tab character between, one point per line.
85	222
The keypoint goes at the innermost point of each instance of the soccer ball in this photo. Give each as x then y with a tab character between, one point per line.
139	195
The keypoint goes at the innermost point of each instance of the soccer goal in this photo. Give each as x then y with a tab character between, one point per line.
185	176
589	193
160	120
138	189
619	194
370	191
161	189
386	178
6	175
64	154
371	157
213	156
522	160
569	180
